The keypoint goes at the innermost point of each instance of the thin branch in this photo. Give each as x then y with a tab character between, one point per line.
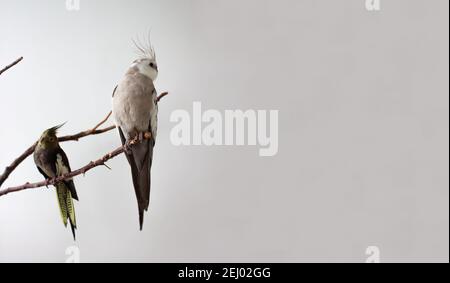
30	150
84	134
16	163
10	65
94	131
81	171
103	121
161	96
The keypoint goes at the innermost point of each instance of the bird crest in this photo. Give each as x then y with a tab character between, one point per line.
54	130
145	50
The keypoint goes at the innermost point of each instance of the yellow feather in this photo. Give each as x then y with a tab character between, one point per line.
61	193
71	208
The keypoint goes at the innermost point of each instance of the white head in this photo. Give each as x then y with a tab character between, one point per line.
147	67
146	64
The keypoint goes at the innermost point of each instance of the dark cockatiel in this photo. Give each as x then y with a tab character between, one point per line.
52	162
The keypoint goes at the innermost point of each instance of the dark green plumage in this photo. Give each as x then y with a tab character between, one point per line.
51	162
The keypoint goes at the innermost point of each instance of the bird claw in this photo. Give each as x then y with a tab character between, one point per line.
47	182
127	149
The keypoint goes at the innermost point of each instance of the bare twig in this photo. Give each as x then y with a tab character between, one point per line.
13	166
93	131
30	150
81	171
76	137
161	96
103	121
84	134
10	65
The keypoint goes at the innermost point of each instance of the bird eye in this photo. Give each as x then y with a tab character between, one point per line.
152	65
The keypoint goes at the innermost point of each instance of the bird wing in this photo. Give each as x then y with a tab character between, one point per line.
45	161
43	173
63	167
154	115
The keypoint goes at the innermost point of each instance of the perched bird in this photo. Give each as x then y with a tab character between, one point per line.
52	162
135	111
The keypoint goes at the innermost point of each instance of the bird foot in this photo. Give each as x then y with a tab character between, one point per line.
127	149
141	137
47	182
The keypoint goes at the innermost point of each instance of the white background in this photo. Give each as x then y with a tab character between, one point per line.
363	101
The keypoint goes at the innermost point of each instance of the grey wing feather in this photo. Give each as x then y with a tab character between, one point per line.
140	160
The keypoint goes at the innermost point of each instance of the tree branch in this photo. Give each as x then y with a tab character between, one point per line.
30	150
10	65
161	96
94	131
81	171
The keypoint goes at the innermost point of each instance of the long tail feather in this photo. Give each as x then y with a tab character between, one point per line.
66	207
141	218
71	213
61	193
140	160
73	228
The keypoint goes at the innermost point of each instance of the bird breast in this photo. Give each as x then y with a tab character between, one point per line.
133	104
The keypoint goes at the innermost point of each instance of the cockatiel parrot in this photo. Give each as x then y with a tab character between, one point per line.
52	162
135	110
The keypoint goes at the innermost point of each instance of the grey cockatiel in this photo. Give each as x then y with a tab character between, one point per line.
51	162
135	111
